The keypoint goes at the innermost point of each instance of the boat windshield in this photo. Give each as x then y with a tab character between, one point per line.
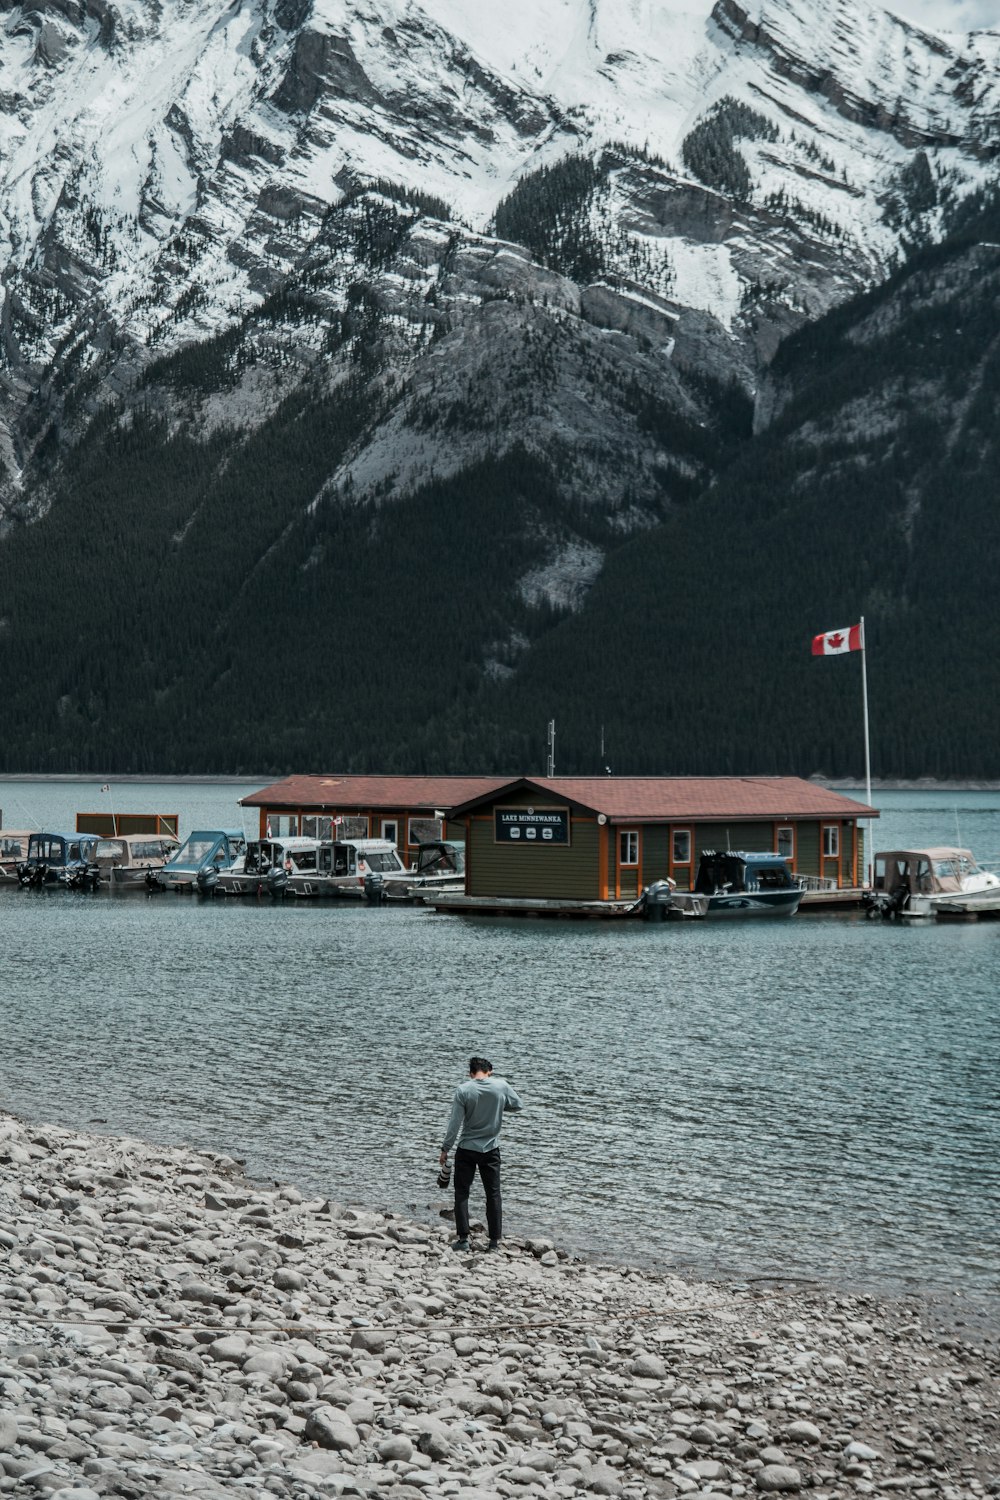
441	859
152	849
196	849
110	852
382	860
46	846
956	866
770	878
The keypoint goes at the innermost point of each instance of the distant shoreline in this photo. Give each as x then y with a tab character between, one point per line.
919	784
846	784
72	779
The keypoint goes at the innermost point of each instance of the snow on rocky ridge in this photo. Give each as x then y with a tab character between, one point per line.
163	168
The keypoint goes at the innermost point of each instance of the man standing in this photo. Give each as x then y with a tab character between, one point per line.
476	1116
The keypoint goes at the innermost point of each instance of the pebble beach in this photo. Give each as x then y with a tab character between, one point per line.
168	1327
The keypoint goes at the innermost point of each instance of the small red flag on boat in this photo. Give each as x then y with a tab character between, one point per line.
835	642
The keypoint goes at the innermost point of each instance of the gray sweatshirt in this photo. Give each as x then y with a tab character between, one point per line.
477	1113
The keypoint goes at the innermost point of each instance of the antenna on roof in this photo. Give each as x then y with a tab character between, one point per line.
550	763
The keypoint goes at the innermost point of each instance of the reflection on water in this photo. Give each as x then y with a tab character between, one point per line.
813	1097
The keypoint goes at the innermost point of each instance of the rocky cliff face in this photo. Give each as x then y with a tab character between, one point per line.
562	242
166	170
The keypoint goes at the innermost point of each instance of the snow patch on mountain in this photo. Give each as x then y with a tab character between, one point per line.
164	170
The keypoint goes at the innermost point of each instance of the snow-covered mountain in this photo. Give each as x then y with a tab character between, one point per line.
168	169
526	271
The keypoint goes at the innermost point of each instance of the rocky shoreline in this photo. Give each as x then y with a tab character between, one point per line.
170	1328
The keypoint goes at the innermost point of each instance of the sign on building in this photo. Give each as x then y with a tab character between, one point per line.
528	825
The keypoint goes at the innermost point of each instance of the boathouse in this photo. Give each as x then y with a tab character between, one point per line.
605	838
408	810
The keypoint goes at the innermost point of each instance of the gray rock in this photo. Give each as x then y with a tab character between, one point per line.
397	1448
862	1452
778	1477
707	1468
265	1362
231	1350
287	1280
603	1481
8	1432
332	1428
649	1367
803	1432
372	1340
772	1455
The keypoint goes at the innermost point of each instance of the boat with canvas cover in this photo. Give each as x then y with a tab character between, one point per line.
13	851
130	861
66	859
929	883
439	866
200	860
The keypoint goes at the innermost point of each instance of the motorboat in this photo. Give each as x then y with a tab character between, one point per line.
67	859
267	866
738	883
200	860
13	851
439	866
343	865
927	882
131	862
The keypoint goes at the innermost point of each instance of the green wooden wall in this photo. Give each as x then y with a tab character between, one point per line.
534	870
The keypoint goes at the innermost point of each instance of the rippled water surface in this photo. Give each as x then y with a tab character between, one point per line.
815	1097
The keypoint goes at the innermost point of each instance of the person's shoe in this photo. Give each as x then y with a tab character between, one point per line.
493	1245
460	1244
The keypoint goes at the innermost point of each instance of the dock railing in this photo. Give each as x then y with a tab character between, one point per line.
817	883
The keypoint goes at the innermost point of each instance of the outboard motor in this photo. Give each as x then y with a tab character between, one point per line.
375	889
153	881
658	902
886	904
207	879
277	880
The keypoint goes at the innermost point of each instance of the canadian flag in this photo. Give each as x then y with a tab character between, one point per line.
836	642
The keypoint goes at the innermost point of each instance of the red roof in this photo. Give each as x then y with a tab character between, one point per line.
391	792
633	799
687	799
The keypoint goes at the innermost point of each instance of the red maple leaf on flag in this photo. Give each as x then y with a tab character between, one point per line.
836	641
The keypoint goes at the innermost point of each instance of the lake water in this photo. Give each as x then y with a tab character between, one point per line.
815	1098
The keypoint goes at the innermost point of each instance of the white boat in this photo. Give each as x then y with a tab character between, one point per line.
343	866
439	866
925	882
267	866
131	861
13	851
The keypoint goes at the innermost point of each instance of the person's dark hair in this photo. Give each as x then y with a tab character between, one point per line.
480	1065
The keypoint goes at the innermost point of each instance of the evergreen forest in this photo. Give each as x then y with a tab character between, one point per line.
187	605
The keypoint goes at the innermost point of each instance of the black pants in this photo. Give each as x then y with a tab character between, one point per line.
488	1164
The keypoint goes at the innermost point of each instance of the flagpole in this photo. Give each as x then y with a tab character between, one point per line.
868	753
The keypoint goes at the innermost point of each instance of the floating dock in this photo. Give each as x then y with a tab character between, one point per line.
848	898
531	906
